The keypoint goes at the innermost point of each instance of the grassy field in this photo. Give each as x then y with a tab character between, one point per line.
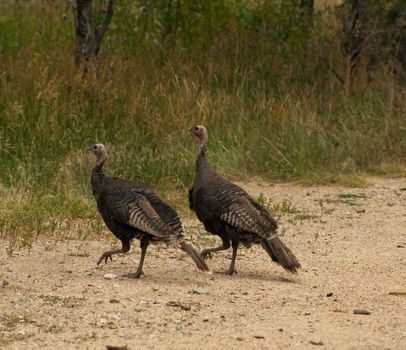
256	76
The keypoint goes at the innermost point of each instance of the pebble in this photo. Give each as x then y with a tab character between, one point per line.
182	305
3	283
329	295
199	291
313	342
92	334
114	301
115	317
110	276
116	347
398	293
360	210
361	312
103	321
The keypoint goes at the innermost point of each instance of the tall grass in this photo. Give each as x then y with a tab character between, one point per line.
258	81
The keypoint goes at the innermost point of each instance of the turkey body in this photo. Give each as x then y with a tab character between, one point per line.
228	211
133	210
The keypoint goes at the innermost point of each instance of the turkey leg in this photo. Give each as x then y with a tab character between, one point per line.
125	247
232	270
144	245
224	246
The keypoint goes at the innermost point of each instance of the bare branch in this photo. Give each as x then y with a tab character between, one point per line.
102	30
332	70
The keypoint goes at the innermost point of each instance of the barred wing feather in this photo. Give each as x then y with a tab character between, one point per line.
238	209
147	212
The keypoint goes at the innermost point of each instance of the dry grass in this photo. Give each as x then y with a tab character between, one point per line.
280	113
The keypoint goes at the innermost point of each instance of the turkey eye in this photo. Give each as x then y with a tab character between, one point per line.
196	128
94	147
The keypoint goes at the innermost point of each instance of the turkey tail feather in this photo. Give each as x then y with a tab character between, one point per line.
281	254
189	250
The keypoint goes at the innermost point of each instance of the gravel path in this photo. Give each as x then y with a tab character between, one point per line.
351	243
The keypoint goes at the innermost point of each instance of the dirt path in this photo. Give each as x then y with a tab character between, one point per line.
351	243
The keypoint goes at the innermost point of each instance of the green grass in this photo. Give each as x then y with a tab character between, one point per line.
277	114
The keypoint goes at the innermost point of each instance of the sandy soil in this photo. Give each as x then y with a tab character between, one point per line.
351	243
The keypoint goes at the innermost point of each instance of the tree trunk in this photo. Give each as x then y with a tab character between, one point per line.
351	46
400	42
88	37
401	53
308	7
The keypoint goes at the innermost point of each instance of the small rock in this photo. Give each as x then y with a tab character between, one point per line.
113	325
361	312
339	310
199	291
116	347
360	210
259	337
92	334
186	306
3	283
114	301
280	329
239	338
400	246
328	295
110	276
115	317
182	305
103	321
398	294
313	342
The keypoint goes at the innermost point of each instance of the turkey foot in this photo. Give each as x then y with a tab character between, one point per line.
125	247
144	245
231	271
207	252
136	274
105	256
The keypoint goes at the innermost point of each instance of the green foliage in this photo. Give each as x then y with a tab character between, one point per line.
24	219
254	73
277	210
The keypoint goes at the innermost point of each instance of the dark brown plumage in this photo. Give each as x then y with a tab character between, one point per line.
133	210
228	211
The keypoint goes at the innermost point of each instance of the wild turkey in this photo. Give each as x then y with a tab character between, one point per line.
228	211
133	210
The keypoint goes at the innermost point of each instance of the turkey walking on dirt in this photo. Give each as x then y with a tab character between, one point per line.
133	210
228	211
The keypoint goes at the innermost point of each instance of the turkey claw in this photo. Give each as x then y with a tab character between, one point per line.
104	257
231	272
134	275
204	255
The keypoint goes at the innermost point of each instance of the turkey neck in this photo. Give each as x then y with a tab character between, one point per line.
203	168
98	174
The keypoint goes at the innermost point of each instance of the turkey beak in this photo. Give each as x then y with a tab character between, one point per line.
190	129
